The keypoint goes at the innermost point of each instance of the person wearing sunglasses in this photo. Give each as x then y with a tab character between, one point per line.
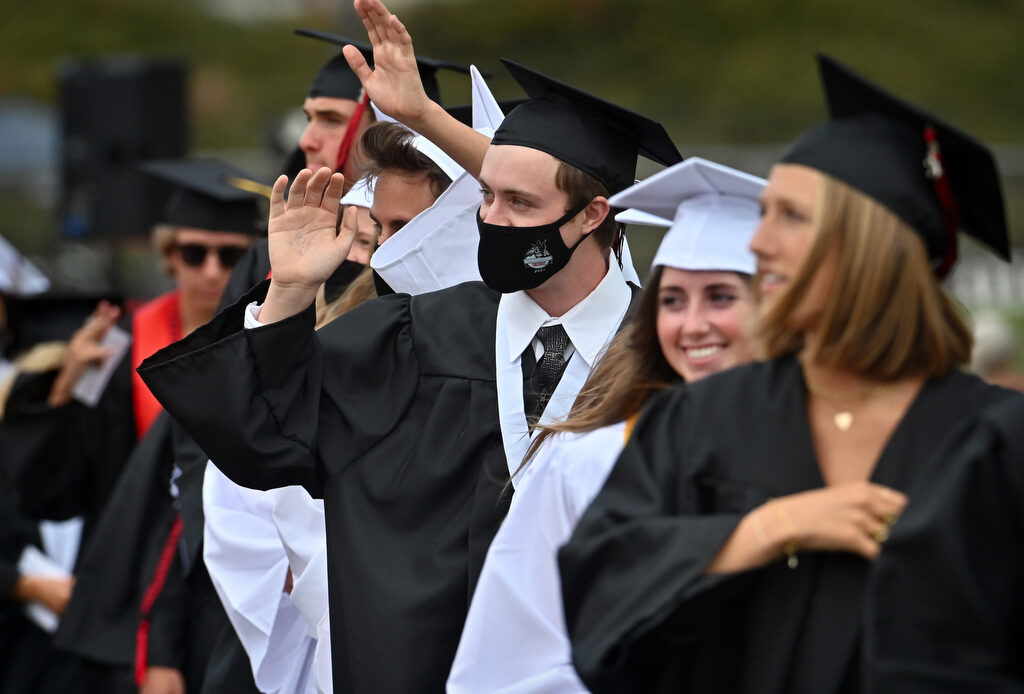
111	461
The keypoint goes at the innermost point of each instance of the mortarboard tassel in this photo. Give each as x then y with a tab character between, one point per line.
935	170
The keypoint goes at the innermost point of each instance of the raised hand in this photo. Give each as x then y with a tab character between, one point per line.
306	241
394	83
84	350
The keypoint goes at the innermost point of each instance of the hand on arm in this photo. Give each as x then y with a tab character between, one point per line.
53	592
306	242
83	350
852	517
394	85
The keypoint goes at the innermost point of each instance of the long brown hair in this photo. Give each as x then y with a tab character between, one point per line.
358	292
885	315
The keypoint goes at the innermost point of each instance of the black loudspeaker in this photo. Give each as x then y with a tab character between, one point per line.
117	113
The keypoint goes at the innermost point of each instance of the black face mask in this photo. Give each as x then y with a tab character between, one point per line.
382	287
511	259
339	280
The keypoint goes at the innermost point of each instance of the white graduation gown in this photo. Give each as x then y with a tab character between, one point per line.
515	640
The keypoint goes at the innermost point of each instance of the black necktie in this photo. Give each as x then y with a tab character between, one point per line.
541	377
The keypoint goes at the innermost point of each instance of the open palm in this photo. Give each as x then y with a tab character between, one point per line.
305	240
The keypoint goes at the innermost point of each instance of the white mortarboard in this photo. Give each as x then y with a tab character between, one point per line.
360	195
438	247
714	211
641	218
18	276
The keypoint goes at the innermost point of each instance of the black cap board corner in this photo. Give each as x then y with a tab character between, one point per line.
209	194
876	143
594	135
336	79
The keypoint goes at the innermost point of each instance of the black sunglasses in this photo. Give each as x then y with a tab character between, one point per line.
194	254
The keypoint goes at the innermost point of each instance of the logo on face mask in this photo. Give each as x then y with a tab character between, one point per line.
538	257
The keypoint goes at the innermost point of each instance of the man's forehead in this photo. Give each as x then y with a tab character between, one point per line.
329	103
518	167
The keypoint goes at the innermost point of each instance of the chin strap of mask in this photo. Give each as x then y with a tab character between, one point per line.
350	131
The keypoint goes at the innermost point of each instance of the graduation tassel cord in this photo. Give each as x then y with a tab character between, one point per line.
149	597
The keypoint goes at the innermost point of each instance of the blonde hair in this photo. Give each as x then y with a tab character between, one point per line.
885	315
163	237
358	292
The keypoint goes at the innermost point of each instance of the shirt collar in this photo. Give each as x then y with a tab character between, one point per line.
587	323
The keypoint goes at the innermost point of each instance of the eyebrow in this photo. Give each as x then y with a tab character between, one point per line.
398	222
324	112
511	192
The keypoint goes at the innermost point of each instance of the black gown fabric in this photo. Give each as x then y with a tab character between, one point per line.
947	598
641	613
389	414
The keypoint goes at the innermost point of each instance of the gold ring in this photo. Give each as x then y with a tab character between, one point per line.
882	534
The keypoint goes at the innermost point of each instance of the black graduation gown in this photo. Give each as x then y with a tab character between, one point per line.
641	613
390	415
947	598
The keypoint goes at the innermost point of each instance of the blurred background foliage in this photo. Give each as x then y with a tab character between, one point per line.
731	79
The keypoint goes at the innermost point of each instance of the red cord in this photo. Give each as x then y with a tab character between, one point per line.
150	596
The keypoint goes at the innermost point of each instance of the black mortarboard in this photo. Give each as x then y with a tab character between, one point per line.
464	114
337	80
594	135
45	317
209	194
879	144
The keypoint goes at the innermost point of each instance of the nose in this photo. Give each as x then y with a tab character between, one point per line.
489	212
309	142
762	243
695	323
211	264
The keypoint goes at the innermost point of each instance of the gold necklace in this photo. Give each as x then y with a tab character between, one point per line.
843	419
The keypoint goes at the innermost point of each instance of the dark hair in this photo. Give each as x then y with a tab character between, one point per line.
581	188
387	147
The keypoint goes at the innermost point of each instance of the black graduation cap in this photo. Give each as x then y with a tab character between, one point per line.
929	174
210	194
464	113
592	134
54	316
337	80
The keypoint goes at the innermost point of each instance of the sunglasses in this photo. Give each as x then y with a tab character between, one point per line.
194	254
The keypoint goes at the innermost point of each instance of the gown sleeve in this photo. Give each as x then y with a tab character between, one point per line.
633	581
271	405
945	604
247	566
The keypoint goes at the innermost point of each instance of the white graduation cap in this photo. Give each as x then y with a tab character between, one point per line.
641	218
18	276
438	247
714	211
360	195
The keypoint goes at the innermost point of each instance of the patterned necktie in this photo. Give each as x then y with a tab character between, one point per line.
544	377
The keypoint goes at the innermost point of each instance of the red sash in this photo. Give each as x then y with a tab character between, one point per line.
155	325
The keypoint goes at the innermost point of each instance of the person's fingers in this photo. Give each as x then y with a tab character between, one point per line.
357	63
297	194
371	15
316	187
277	195
332	194
349	226
400	34
885	503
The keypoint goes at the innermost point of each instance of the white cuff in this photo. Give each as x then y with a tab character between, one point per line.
252	312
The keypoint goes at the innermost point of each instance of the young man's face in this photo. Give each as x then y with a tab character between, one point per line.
328	121
518	188
397	198
197	267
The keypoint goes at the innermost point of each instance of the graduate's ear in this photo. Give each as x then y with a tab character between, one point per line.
595	213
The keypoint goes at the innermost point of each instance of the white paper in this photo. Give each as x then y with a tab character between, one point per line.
36	563
92	383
